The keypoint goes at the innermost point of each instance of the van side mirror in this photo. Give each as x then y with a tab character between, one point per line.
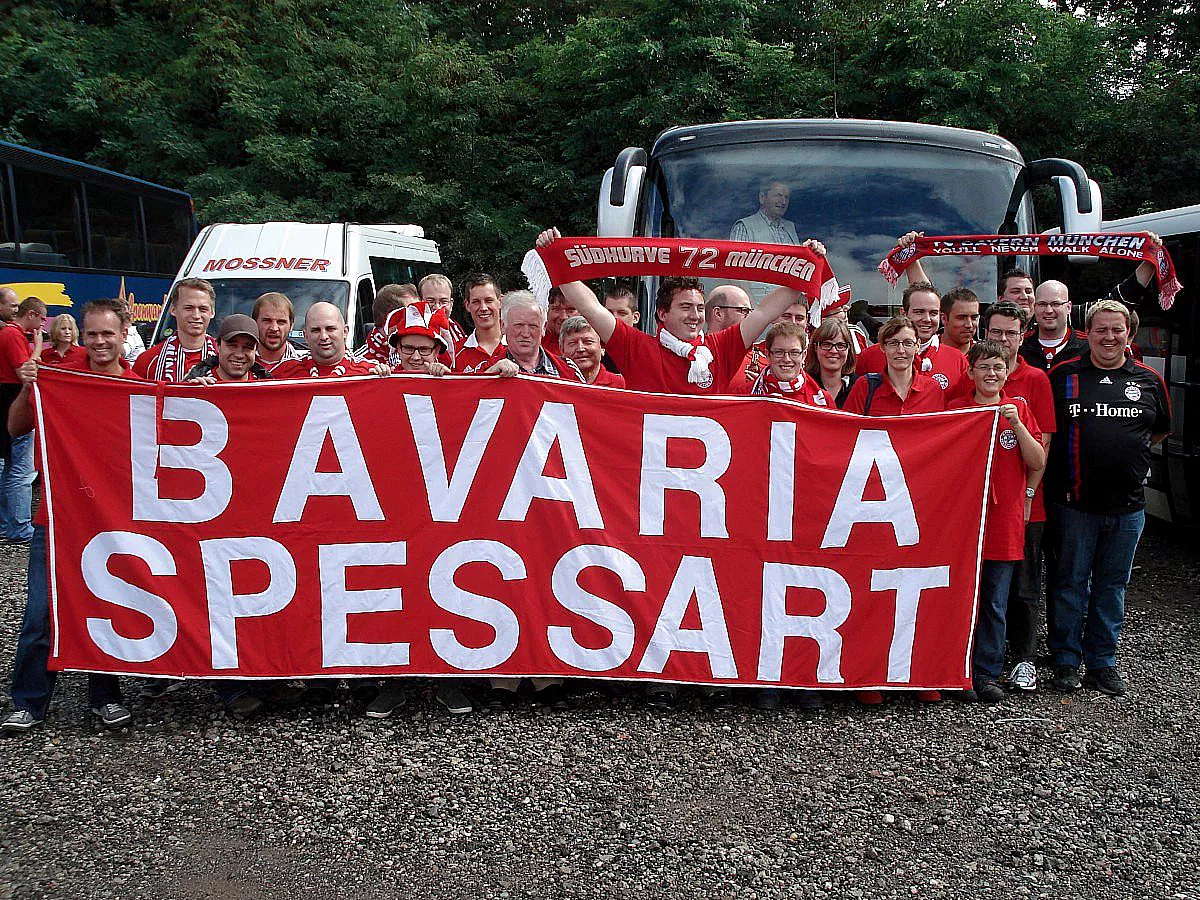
620	191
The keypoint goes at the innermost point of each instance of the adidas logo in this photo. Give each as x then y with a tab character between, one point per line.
1106	380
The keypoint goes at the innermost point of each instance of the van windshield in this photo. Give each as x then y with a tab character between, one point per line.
237	295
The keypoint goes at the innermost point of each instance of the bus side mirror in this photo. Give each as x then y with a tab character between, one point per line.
1076	222
620	190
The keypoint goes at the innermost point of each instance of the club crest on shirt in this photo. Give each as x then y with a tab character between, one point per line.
941	380
1008	439
706	381
1133	392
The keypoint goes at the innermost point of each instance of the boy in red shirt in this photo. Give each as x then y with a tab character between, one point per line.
1017	459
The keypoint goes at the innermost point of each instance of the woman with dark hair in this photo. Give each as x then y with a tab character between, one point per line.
831	358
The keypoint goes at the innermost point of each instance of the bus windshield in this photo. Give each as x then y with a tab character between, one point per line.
237	295
854	196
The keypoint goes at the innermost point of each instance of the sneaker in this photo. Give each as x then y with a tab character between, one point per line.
660	698
719	698
988	690
1066	679
929	696
452	697
1107	681
553	696
20	720
244	706
497	699
154	688
112	715
767	699
869	698
1024	676
391	697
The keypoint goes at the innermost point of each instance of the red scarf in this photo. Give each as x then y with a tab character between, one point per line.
584	258
1114	245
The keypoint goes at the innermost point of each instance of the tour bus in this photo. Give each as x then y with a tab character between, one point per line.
343	263
1170	343
71	232
854	185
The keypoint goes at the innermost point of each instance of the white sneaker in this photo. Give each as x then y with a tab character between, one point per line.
1024	676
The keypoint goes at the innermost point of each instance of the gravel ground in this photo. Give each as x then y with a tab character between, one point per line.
1042	796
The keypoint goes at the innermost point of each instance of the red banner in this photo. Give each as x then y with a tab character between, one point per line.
474	525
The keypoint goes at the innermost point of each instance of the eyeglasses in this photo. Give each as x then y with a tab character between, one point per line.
833	346
786	354
1051	304
995	335
744	310
410	350
998	368
894	344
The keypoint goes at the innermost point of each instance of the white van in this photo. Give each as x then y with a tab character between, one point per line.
343	263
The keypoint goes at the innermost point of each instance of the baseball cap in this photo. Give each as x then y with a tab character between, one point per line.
236	324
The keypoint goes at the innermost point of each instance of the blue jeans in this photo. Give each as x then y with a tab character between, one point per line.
994	580
16	490
1094	558
32	682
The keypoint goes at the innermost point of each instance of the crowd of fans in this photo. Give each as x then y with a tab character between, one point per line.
1078	417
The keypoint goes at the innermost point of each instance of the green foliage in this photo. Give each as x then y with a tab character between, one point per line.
485	121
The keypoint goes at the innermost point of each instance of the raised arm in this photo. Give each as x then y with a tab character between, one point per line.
580	296
1145	272
772	306
915	271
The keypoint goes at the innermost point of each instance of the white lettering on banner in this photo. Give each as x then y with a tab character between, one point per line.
908	585
781	486
565	583
778	624
338	602
555	422
328	416
694	578
225	607
453	599
658	478
108	587
447	493
873	450
146	456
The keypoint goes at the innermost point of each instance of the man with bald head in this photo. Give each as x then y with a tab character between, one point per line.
727	305
1053	339
9	301
325	331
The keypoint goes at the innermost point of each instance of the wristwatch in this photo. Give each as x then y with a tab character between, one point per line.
1030	492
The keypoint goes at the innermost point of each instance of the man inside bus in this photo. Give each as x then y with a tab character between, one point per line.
768	226
192	303
485	345
942	363
274	314
681	360
16	480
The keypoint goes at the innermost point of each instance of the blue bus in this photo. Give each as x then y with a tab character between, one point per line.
71	232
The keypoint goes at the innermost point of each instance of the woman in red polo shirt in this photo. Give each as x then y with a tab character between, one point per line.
1017	459
901	389
64	342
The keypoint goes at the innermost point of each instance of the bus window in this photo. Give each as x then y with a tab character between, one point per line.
8	248
386	270
48	210
169	233
113	219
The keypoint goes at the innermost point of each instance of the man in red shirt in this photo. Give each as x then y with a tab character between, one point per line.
325	331
16	464
485	345
558	310
105	323
1016	287
388	299
582	346
960	319
438	291
786	346
192	303
274	315
622	303
1018	460
680	360
923	309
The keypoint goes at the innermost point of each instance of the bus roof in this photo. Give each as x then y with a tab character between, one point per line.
41	161
1184	220
692	136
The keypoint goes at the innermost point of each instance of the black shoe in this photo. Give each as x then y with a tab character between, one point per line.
988	690
1107	681
554	696
810	701
660	699
719	698
767	699
157	688
967	696
1066	679
497	699
284	693
244	706
318	695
